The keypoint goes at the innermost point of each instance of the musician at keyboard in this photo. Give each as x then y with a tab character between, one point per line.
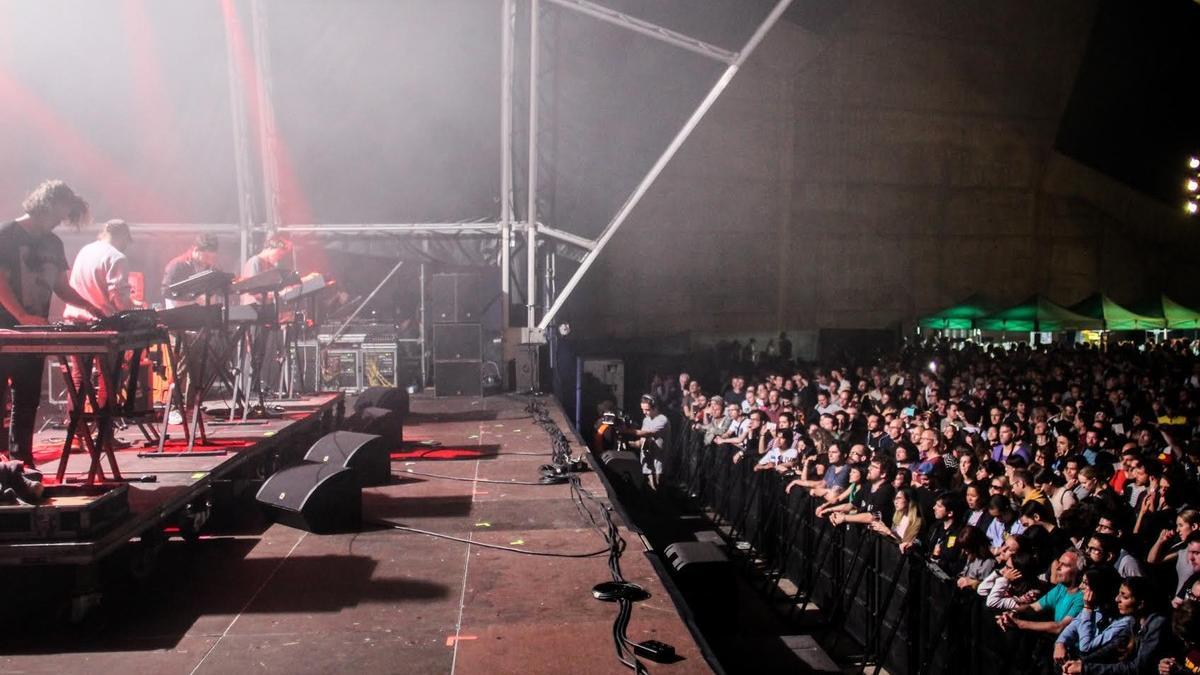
101	276
266	357
33	267
200	257
275	249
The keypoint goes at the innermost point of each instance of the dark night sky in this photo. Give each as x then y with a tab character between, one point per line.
1134	113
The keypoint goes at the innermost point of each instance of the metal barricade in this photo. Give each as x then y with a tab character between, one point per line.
901	612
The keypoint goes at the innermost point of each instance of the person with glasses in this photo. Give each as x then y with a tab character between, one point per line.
999	486
1063	602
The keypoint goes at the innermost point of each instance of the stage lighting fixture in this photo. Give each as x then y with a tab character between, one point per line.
1191	185
1194	162
1191	208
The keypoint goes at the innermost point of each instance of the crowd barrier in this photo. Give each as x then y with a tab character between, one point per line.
902	612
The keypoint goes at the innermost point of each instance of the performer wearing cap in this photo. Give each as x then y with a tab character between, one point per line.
200	257
33	266
100	276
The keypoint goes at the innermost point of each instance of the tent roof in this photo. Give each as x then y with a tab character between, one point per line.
1037	313
959	317
1116	317
1179	316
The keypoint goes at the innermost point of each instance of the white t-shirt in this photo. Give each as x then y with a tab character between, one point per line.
777	456
101	275
739	427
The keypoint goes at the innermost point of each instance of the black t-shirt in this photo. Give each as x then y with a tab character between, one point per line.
880	500
31	264
181	267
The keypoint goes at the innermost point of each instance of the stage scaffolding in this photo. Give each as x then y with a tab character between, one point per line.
507	229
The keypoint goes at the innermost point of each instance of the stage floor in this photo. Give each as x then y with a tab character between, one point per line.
275	599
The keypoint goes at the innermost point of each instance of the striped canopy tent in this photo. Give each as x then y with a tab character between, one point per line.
958	317
1116	317
1037	313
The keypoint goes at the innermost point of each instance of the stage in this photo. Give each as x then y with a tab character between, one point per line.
254	596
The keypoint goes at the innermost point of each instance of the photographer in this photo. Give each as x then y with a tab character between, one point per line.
654	435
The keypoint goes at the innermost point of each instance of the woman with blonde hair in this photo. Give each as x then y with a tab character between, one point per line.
906	520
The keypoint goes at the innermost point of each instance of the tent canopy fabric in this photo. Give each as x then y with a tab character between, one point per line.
1116	317
1178	316
959	317
1037	313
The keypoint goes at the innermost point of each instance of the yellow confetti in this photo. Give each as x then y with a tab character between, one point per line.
483	524
198	475
519	542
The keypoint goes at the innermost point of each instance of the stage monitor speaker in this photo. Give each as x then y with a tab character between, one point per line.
368	455
378	422
455	298
706	577
319	498
458	378
686	553
457	342
624	466
392	398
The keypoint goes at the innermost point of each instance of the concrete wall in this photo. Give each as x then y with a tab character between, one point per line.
891	164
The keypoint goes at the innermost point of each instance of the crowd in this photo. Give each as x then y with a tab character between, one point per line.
1058	483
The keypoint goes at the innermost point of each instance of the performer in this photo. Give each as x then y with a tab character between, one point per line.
274	250
101	276
200	257
265	358
33	267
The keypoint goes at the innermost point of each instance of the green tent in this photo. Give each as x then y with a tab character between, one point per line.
958	317
1038	314
1178	316
1116	317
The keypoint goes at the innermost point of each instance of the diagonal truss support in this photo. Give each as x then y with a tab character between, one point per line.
648	29
667	155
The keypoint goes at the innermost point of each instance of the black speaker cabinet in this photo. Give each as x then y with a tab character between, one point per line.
455	298
624	466
686	553
387	424
392	398
368	455
705	575
529	367
457	342
319	498
457	378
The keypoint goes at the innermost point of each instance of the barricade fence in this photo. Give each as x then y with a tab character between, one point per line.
902	612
